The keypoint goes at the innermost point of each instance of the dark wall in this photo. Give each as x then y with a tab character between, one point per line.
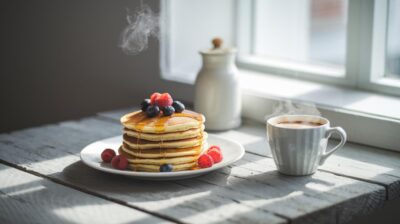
60	60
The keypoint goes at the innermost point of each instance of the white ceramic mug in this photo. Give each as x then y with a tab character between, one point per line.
300	149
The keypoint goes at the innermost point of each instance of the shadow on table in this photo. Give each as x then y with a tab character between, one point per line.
36	200
190	198
119	186
251	193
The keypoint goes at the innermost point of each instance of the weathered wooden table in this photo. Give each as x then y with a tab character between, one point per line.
42	180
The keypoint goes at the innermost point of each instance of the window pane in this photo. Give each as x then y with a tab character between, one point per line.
393	40
188	30
307	31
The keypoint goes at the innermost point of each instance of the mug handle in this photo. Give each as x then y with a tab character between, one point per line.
343	138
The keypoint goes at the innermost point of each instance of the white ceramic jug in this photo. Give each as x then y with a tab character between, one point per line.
217	92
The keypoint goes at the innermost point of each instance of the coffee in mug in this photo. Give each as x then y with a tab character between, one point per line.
299	142
298	124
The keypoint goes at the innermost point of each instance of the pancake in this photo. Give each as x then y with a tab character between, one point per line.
153	165
161	153
191	133
139	122
136	143
149	143
160	161
154	168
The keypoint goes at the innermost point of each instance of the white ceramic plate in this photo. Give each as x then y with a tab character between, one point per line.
90	155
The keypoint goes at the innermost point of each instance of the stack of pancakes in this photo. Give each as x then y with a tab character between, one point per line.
149	143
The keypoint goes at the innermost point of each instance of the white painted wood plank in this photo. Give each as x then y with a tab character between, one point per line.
356	161
257	104
53	150
324	193
368	164
353	160
25	198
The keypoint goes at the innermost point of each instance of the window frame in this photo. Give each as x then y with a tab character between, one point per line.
165	54
375	18
365	49
332	107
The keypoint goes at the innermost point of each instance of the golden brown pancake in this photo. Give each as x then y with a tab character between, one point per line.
149	143
161	161
191	133
161	153
153	165
136	143
154	168
139	122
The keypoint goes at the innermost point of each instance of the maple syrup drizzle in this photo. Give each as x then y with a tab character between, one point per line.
160	124
161	148
137	143
139	119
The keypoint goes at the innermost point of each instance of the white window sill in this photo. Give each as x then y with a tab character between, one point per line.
369	118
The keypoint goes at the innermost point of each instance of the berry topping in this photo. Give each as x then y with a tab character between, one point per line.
214	147
107	155
205	161
153	97
179	107
168	110
215	154
152	111
145	103
166	168
119	162
164	100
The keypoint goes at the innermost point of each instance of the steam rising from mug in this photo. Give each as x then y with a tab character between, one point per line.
142	24
287	107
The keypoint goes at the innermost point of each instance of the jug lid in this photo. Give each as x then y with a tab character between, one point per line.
217	48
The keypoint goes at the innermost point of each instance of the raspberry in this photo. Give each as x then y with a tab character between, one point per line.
215	154
214	147
164	100
119	162
153	97
107	155
205	161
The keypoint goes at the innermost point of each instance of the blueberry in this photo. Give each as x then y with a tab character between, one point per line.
152	111
168	110
179	107
166	168
145	103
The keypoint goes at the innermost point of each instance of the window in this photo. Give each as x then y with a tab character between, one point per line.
304	31
345	42
393	40
188	27
340	42
351	43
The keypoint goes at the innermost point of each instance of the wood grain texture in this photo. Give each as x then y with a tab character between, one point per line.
250	191
353	160
368	164
25	198
329	198
53	150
